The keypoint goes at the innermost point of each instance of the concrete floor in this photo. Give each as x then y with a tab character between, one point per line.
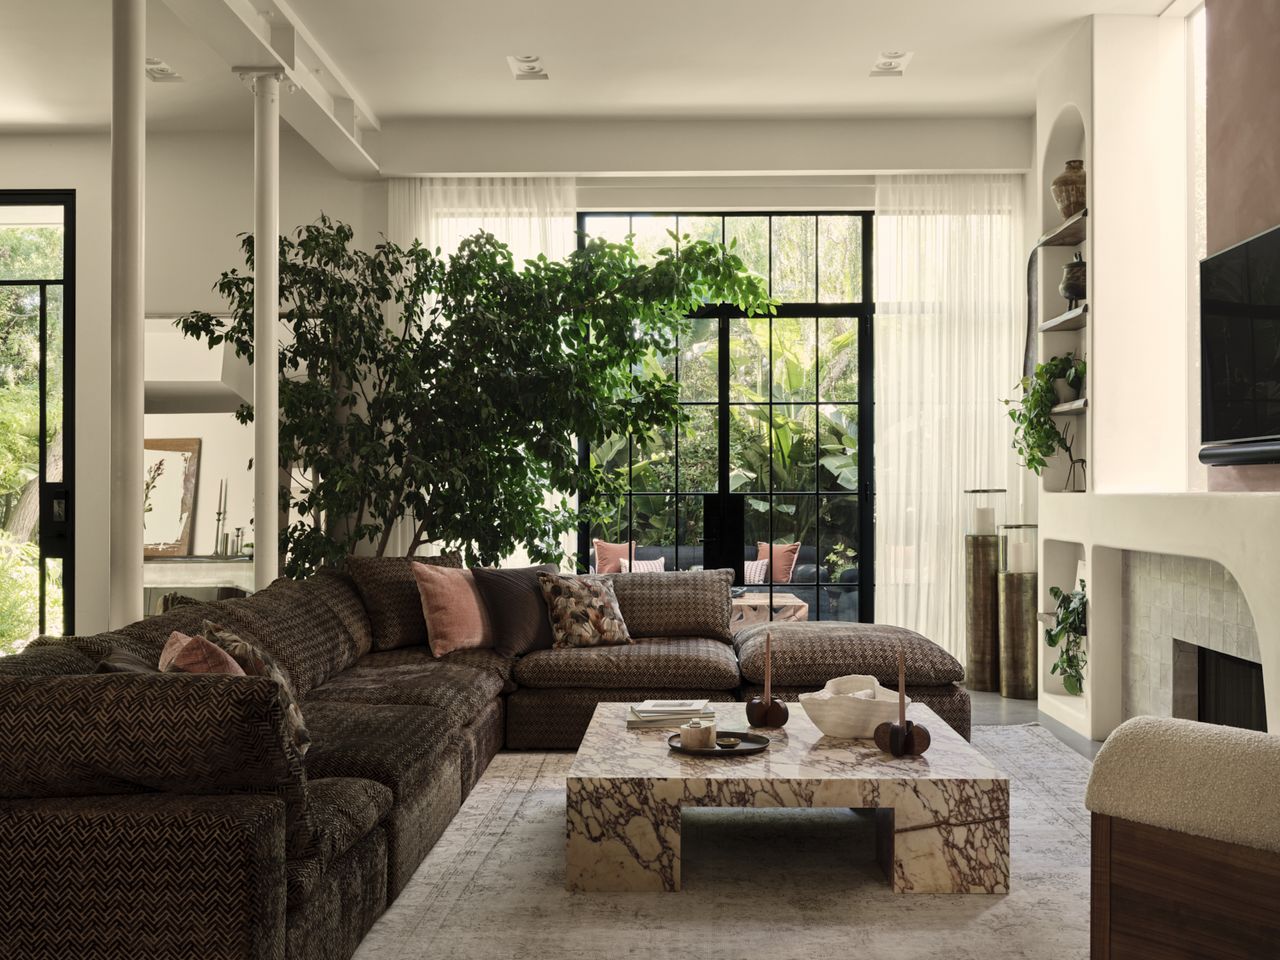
991	709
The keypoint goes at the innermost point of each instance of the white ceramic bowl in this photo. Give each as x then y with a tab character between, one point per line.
838	713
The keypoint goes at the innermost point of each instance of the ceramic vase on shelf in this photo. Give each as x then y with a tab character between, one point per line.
1074	285
1068	189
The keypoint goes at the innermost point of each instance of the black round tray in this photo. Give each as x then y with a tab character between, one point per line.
751	743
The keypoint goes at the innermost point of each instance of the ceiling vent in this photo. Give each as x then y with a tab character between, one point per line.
160	72
891	63
527	66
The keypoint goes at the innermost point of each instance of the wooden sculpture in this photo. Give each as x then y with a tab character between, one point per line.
904	738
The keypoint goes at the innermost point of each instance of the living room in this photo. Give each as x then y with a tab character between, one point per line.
708	445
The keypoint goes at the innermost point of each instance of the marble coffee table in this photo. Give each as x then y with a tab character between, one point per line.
942	820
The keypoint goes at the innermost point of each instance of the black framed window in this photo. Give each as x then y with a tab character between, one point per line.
777	445
37	378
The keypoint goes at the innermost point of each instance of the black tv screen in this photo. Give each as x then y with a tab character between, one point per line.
1240	341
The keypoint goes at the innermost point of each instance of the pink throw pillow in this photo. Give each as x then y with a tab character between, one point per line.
453	608
183	654
782	559
609	555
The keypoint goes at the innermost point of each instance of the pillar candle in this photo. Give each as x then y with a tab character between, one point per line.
983	521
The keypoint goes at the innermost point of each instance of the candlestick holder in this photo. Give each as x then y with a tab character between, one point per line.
767	710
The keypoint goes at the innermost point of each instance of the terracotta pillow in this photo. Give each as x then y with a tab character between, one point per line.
609	554
782	559
453	608
584	611
184	654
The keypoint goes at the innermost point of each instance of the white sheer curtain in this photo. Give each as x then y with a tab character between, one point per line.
531	215
949	339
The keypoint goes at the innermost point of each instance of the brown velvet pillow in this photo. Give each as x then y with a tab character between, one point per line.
389	593
451	605
517	609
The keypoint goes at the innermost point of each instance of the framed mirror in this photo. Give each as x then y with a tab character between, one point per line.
171	471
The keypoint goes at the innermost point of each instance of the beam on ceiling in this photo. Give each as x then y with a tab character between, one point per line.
324	109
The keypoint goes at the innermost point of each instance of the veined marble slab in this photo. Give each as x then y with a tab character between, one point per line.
942	819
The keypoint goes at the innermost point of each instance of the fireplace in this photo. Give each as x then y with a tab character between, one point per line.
1230	691
1216	687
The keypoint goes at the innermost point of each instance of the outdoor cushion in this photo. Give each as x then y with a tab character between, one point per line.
342	810
807	654
390	595
682	603
699	663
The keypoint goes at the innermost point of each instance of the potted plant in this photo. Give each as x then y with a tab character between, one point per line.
1067	635
1036	436
1068	377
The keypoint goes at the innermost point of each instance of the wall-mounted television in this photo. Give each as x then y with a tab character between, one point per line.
1240	352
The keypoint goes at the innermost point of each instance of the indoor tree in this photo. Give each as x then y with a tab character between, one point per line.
449	393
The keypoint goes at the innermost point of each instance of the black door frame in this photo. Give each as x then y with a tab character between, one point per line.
864	311
56	527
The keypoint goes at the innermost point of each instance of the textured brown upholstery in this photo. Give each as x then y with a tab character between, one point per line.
558	719
128	733
695	663
409	749
43	661
681	603
480	742
351	895
161	876
390	594
949	701
342	811
455	689
810	654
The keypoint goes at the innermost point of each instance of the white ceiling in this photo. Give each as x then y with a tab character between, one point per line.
697	57
690	58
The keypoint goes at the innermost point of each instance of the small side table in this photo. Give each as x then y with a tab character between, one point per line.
755	608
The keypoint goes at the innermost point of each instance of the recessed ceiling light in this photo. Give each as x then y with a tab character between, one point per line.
527	66
892	54
891	63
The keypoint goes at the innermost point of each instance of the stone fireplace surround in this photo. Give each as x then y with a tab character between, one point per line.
1169	606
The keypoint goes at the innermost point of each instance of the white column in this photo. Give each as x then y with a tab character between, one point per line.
128	154
266	316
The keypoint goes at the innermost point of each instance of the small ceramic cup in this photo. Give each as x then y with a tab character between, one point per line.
698	735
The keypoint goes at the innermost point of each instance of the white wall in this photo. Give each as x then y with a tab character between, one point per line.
200	195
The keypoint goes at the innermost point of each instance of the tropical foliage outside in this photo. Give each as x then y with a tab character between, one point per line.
26	253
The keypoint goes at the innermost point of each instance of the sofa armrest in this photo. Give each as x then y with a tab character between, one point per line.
105	734
152	875
1196	778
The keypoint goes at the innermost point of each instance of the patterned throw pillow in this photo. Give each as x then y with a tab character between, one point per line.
643	566
755	571
583	611
183	654
256	662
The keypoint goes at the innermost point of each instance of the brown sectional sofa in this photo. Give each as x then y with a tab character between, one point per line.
169	815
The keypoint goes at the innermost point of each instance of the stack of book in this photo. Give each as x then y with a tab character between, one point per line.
667	713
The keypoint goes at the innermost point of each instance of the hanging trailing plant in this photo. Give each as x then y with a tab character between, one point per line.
1036	436
1067	636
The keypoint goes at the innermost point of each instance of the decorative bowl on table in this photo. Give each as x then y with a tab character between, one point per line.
851	707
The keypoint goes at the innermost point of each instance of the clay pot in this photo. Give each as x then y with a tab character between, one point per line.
1068	189
1064	391
1074	287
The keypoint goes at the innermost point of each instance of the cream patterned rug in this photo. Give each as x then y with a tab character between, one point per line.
783	884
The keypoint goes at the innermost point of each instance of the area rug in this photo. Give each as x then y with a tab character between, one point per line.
786	884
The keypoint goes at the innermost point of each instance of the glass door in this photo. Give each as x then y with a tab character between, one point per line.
770	473
36	442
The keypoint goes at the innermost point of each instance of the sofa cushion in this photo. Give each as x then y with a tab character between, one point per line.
476	659
255	662
558	719
46	661
392	744
454	688
517	609
698	663
453	609
682	603
390	595
342	810
810	654
184	654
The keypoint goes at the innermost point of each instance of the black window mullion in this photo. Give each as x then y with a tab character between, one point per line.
42	452
866	433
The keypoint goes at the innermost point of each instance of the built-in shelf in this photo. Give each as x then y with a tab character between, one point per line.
1076	319
1047	619
1070	233
1073	408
